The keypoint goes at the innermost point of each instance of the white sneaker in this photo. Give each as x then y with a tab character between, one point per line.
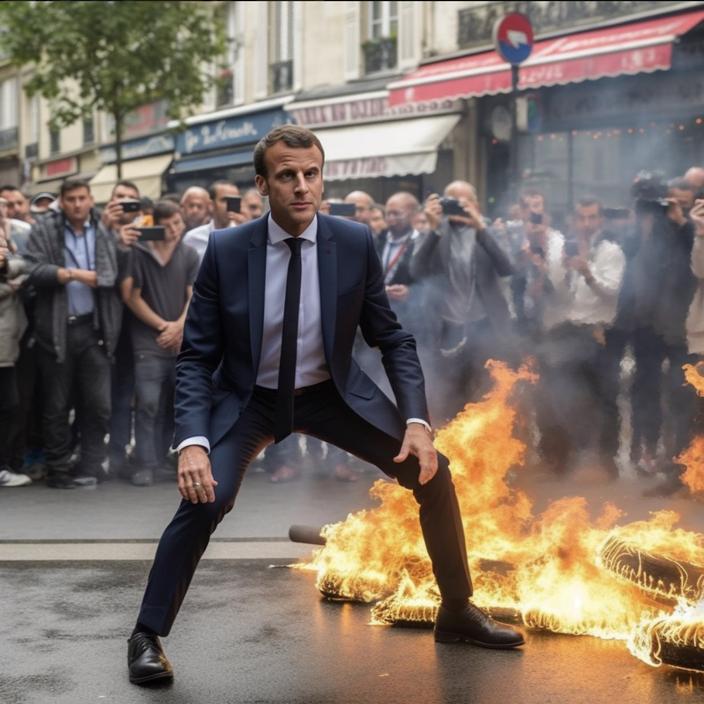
8	478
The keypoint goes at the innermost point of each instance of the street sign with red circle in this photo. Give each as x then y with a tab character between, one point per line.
513	37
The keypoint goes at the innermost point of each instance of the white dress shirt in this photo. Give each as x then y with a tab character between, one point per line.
575	300
199	237
311	365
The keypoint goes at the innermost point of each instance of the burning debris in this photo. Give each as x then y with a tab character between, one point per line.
559	570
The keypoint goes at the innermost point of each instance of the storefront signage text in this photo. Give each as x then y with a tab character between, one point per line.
367	110
228	133
159	144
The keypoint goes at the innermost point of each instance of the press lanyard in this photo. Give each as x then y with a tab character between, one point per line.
399	253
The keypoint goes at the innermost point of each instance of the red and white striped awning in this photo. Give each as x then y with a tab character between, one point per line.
639	47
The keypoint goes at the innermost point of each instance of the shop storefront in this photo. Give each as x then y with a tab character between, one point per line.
147	152
372	147
144	162
595	108
220	145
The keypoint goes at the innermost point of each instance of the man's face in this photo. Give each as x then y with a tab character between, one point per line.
17	204
399	215
220	214
121	193
376	221
533	204
195	208
41	206
684	197
252	205
294	184
174	227
76	205
362	206
588	220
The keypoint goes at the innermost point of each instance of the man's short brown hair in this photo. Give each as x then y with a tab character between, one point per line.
292	136
163	210
73	184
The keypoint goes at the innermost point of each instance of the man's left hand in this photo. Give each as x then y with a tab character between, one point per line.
418	442
170	336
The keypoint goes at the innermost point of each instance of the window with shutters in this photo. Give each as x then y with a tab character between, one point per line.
229	89
9	133
281	53
380	48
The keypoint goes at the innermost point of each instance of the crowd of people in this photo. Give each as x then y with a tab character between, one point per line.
93	304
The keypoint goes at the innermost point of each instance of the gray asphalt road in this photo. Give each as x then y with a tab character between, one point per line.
248	633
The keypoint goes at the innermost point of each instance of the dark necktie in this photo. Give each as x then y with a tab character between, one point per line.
283	419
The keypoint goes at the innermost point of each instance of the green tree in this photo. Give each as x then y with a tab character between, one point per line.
113	56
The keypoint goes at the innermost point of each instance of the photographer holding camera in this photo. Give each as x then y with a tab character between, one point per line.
583	276
461	263
658	288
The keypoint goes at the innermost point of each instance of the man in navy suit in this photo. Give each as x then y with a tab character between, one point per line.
266	352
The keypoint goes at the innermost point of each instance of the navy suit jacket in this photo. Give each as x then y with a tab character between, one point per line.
217	367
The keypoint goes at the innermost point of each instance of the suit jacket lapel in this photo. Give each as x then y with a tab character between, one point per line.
256	276
327	277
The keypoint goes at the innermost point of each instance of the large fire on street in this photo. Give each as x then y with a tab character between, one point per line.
560	570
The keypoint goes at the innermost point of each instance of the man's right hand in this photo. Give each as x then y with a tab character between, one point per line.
128	235
433	211
112	214
195	478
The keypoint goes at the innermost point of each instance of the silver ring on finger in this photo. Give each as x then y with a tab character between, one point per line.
197	485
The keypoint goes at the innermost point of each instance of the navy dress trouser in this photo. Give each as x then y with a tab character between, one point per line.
323	414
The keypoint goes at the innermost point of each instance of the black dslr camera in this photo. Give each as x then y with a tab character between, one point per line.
649	192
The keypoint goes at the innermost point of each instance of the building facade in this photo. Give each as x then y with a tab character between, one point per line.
407	95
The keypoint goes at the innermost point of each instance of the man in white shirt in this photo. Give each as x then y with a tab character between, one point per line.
219	192
266	352
581	279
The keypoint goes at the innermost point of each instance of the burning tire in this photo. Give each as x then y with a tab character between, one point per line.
658	576
670	641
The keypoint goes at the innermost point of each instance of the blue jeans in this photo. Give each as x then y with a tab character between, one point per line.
154	425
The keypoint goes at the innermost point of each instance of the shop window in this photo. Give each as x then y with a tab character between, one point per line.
380	48
281	55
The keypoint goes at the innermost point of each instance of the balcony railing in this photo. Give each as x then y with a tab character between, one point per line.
379	54
9	138
281	75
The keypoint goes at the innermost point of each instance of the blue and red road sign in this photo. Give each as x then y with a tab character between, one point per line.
513	37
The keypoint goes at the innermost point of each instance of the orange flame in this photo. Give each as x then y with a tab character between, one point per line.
693	457
557	570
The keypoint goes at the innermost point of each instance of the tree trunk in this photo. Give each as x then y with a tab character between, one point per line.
118	144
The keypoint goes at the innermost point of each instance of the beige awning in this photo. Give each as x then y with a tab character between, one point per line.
394	148
146	174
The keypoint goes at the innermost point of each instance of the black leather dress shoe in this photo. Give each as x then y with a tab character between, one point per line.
146	659
472	625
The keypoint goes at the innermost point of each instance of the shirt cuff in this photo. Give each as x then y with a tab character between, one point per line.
421	421
195	440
